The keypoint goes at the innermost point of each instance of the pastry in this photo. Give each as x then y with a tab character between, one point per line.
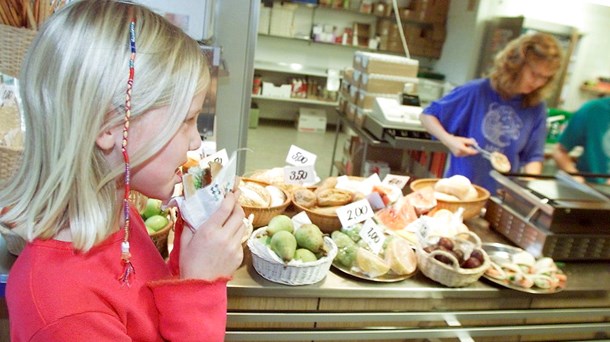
304	198
333	197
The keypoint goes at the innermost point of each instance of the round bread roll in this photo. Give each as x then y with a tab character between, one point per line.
254	195
328	183
472	194
277	195
445	197
334	197
457	186
304	197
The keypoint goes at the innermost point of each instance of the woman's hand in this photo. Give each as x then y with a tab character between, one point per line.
460	146
214	250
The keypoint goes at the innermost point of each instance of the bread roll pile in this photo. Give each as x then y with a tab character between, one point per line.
326	198
259	196
455	188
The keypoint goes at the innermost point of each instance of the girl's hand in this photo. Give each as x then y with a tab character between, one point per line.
214	250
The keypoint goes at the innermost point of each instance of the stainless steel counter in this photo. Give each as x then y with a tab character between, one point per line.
584	279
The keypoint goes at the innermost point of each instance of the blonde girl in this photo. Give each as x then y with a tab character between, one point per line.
111	94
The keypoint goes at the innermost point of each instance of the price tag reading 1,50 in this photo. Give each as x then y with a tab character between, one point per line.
299	157
299	174
372	235
354	212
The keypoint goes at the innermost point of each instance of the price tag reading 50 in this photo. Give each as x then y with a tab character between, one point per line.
354	212
372	235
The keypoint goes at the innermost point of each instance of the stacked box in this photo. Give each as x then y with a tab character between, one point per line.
385	84
282	20
376	63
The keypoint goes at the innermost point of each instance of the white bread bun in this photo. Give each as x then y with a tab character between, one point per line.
254	195
445	197
457	186
277	195
472	194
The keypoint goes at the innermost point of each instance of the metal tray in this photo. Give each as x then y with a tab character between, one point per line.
504	252
386	278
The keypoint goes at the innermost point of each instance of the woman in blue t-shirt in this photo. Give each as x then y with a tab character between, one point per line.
504	113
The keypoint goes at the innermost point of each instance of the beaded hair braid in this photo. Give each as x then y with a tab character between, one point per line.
128	269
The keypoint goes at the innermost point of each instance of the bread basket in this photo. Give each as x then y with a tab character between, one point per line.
326	223
289	274
472	208
262	216
451	275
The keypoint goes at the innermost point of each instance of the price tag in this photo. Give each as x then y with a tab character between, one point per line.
396	180
299	174
299	157
354	212
373	235
220	157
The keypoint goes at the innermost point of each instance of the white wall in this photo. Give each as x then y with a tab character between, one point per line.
591	58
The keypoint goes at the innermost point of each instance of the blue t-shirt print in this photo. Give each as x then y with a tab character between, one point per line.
501	126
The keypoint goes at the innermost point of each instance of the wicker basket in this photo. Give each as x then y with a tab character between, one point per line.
14	43
472	208
160	237
298	274
326	223
9	161
451	275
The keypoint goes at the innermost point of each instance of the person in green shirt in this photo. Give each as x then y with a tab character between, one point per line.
589	128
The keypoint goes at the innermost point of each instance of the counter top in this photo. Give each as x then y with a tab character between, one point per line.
584	279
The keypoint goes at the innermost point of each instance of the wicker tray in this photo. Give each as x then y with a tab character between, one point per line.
451	275
472	208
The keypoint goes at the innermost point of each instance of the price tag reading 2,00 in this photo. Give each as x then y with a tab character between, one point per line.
354	212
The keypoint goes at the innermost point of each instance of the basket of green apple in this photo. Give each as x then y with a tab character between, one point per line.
158	222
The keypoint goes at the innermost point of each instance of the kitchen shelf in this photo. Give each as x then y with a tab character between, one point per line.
290	68
311	41
297	100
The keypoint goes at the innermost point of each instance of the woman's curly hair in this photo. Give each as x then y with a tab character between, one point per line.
525	50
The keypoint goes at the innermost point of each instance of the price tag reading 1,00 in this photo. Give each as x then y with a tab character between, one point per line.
354	212
372	235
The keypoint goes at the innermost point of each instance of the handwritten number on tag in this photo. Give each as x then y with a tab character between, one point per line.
355	213
300	158
298	175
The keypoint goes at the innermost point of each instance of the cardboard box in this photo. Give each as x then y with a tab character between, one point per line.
311	120
366	100
264	20
384	84
282	20
270	89
384	64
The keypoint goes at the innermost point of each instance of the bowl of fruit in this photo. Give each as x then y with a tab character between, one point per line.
456	261
290	255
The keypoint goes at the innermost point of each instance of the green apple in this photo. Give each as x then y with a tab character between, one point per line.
156	222
153	207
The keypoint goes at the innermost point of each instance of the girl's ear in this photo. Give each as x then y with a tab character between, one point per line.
105	140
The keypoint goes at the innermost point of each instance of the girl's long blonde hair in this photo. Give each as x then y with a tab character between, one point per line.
509	63
73	85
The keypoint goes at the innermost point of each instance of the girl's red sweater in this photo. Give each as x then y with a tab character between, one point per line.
55	293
